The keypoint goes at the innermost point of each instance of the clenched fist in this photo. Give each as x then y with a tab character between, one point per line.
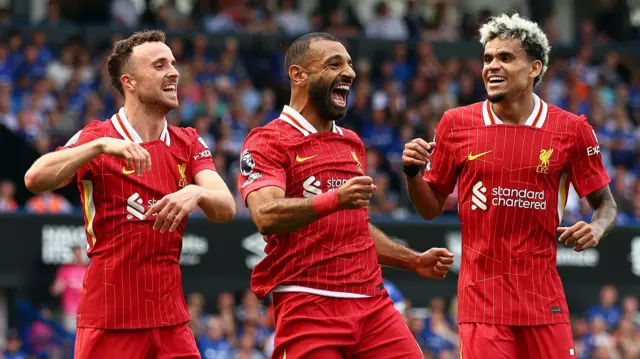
137	157
356	192
416	152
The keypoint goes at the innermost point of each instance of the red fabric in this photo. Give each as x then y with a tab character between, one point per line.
335	253
510	202
316	327
161	343
134	279
480	341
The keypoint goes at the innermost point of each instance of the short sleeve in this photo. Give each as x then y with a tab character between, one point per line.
587	172
87	134
441	171
201	157
262	162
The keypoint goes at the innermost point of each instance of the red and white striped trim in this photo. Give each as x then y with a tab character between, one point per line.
536	119
295	119
123	127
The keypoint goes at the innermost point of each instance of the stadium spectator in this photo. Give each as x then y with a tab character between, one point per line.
8	202
608	309
49	203
14	346
68	286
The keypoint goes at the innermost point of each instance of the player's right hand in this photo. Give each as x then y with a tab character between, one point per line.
137	157
416	152
356	192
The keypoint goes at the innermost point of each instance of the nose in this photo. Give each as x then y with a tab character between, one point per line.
349	72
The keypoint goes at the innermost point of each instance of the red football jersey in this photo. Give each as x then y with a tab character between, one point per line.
334	256
134	279
512	187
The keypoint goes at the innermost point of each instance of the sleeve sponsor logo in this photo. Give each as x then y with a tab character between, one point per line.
247	163
73	140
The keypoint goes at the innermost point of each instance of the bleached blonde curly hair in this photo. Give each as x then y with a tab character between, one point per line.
534	40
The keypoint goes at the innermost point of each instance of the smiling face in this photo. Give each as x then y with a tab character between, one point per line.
330	76
507	69
153	78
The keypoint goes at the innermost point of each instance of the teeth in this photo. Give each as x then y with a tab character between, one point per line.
496	78
343	87
170	88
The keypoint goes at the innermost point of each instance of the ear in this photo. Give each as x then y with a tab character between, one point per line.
298	75
128	82
536	69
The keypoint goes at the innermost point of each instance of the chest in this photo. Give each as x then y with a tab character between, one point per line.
515	153
170	172
321	165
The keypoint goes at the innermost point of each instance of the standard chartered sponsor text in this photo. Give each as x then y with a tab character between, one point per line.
520	198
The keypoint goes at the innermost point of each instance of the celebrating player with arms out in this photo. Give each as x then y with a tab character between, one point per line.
302	179
514	157
139	180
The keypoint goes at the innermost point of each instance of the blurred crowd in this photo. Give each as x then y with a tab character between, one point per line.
239	326
47	95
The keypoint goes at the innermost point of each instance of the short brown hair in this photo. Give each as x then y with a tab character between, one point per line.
122	50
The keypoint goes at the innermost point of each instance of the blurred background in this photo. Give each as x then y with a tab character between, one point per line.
414	60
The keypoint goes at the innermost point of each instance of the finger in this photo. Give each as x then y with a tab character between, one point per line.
445	260
147	158
416	155
416	148
408	161
176	221
129	158
441	252
578	233
562	229
157	207
442	267
162	215
170	219
361	180
589	244
422	143
568	232
139	160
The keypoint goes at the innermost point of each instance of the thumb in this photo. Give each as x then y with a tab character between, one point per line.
442	252
362	180
562	229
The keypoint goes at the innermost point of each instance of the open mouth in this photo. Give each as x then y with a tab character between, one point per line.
496	79
339	94
170	89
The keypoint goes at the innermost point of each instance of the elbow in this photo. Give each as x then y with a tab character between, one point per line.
31	181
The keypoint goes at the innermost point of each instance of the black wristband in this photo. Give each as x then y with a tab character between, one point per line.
410	170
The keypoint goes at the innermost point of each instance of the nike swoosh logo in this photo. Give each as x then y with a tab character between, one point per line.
302	159
126	171
473	157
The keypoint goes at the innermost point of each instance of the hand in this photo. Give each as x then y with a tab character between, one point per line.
174	207
434	263
416	152
137	157
356	192
582	234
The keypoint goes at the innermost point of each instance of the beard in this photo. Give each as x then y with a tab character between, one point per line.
157	103
320	98
495	98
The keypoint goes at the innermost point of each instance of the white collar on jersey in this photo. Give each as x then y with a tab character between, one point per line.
536	118
295	119
124	128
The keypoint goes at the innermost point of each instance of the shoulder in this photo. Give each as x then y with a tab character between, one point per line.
276	133
571	121
184	133
350	134
466	116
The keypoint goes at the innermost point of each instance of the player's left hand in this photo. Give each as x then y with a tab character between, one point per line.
172	208
583	235
434	263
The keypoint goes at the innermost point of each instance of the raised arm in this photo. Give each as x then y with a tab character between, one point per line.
56	169
274	214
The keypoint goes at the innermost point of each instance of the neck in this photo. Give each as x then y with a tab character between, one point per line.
515	111
307	111
148	124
